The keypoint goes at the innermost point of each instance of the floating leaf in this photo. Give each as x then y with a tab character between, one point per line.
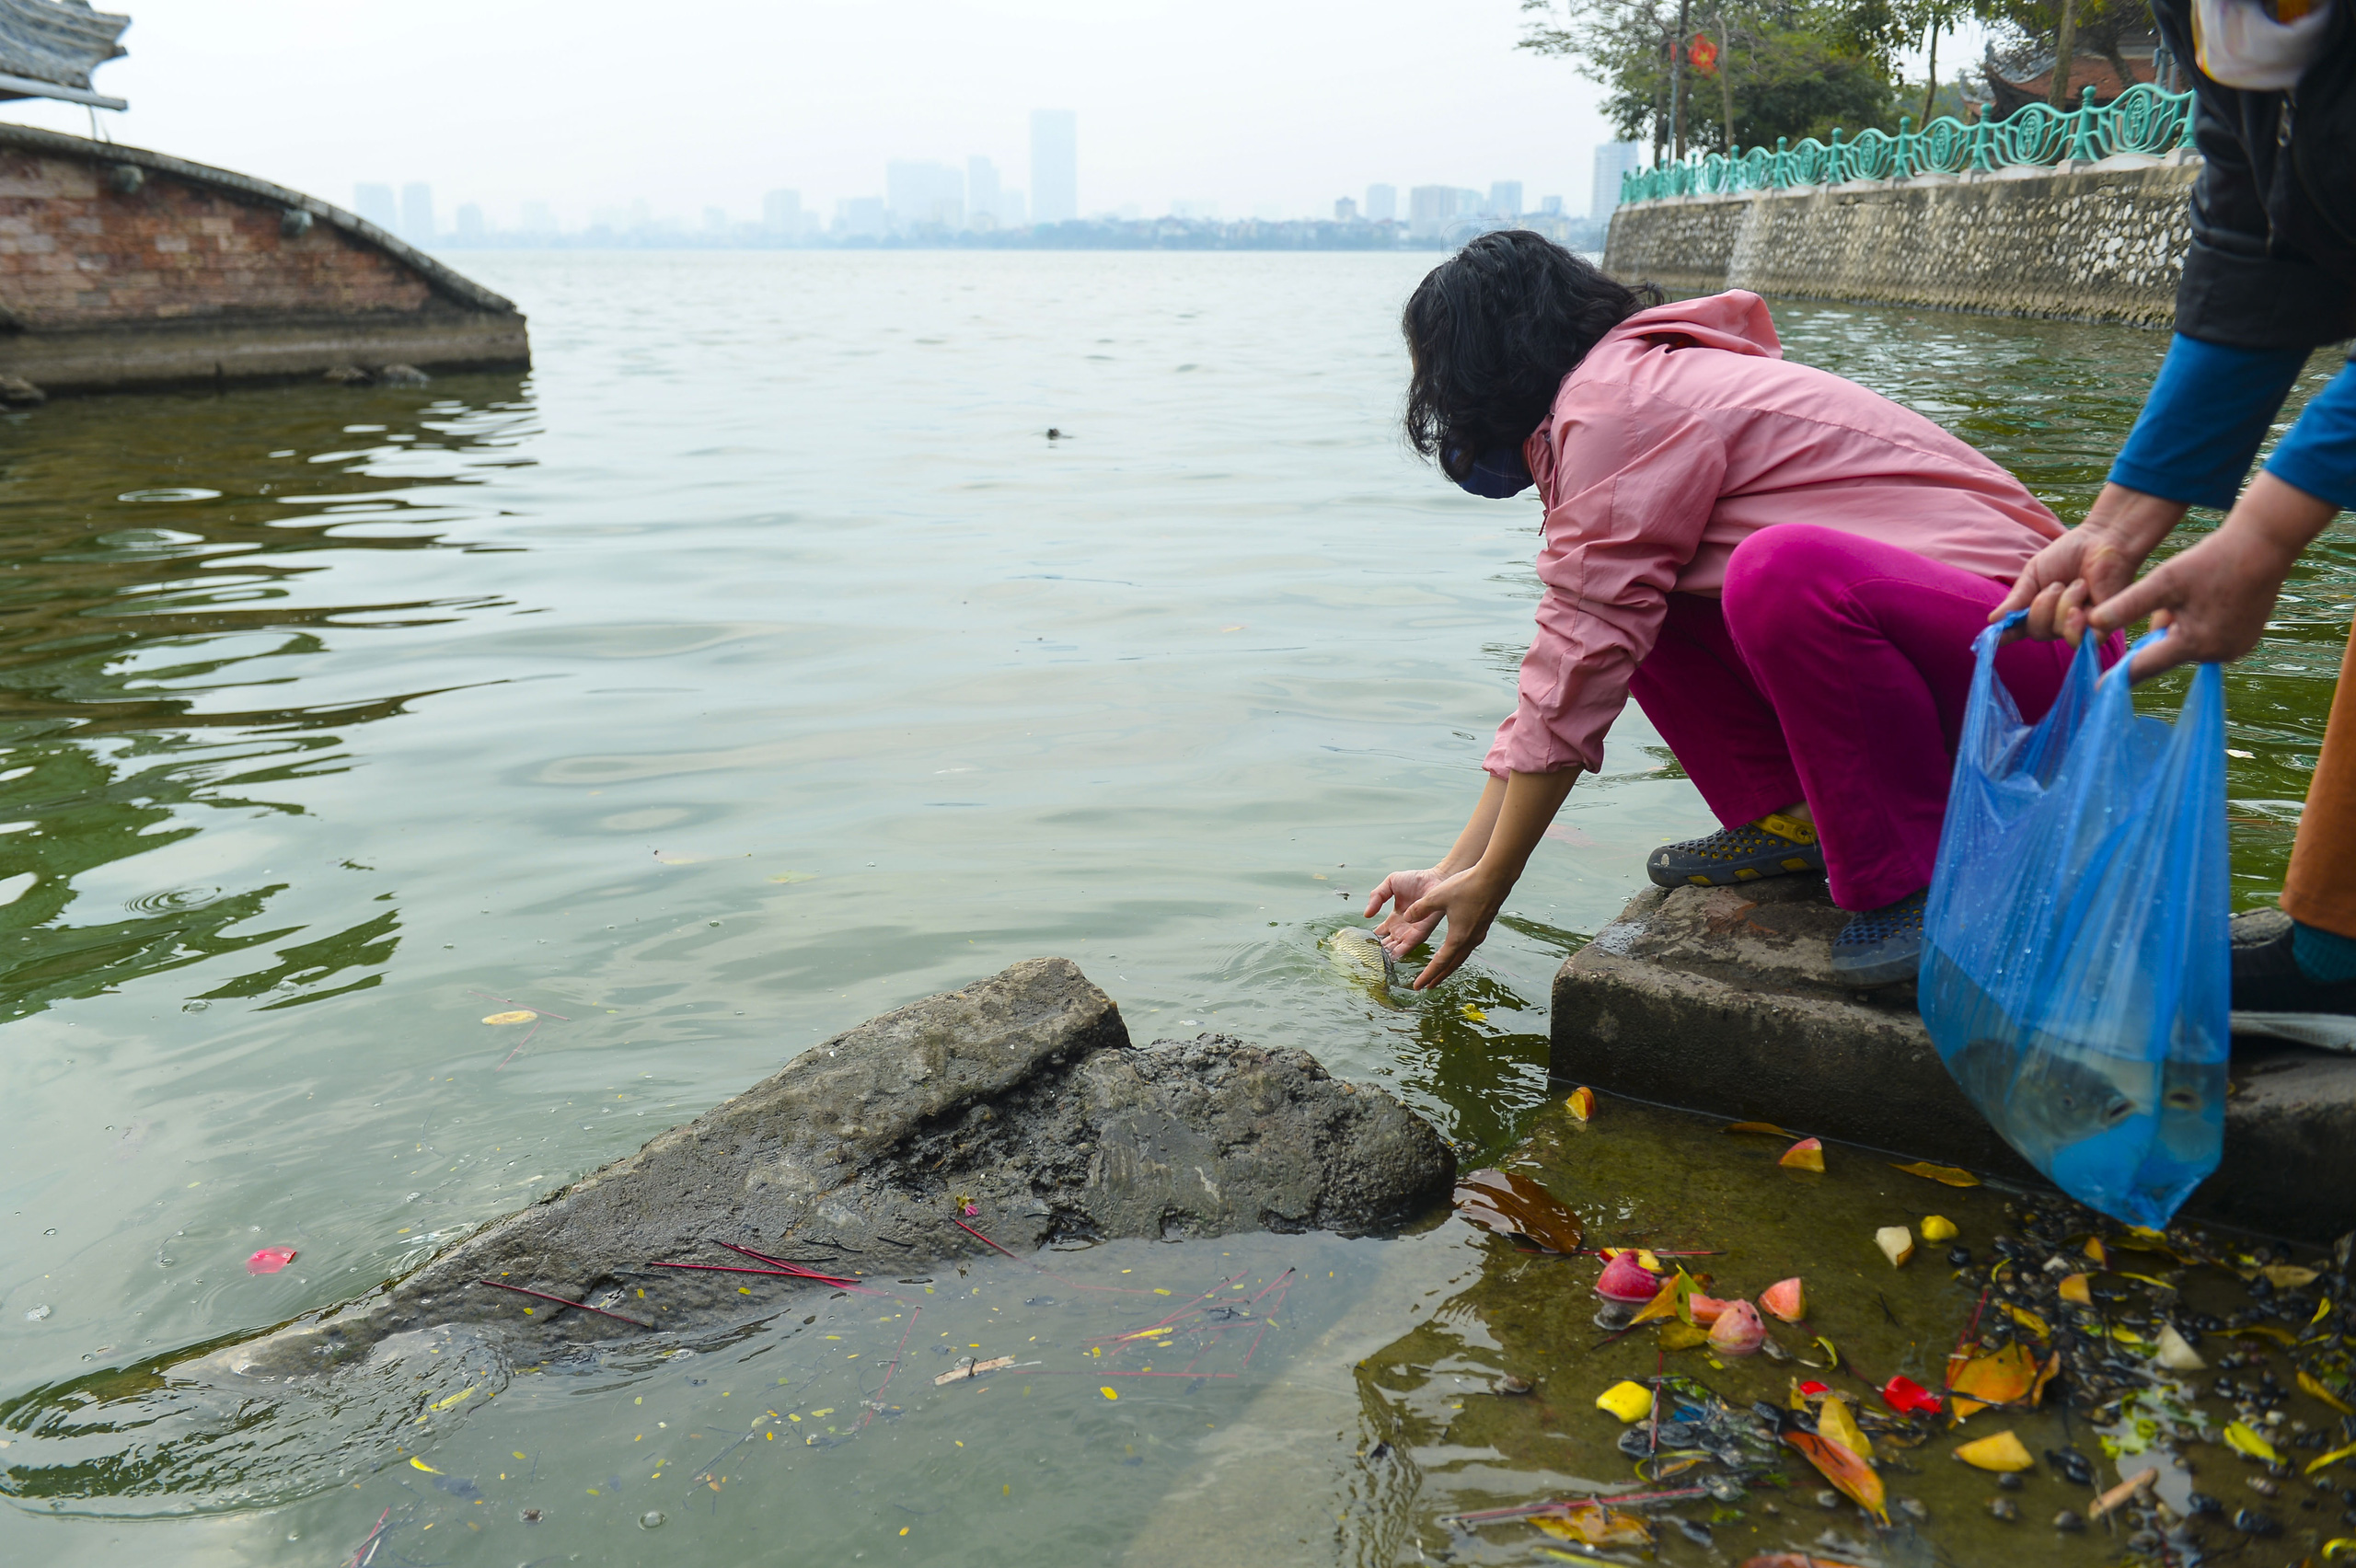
454	1399
1952	1175
1670	1301
2317	1387
416	1463
2266	1330
1769	1128
1592	1524
1806	1155
1856	1479
269	1259
2242	1440
2003	1451
1513	1204
1833	1421
1581	1105
2046	1375
2324	1461
2075	1290
2331	1548
2028	1321
2094	1253
1681	1336
522	1015
2003	1377
2286	1277
1475	1014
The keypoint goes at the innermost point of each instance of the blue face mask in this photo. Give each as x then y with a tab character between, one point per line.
1499	474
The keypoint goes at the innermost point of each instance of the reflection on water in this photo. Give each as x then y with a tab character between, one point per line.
754	666
152	644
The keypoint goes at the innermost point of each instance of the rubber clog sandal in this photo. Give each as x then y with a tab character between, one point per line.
1774	846
2274	999
1882	946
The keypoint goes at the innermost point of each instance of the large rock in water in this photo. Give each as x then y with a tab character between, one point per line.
1021	1097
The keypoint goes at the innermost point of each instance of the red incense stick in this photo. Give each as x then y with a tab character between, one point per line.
560	1301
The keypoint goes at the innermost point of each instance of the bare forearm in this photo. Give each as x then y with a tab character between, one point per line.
1528	804
1473	842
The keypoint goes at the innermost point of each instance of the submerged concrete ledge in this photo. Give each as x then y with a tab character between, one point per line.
1721	1000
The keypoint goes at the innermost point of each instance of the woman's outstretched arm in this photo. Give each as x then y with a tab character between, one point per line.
1470	884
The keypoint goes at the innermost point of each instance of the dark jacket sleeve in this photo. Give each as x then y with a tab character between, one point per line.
2242	286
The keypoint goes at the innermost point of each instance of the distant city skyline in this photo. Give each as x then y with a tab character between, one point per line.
821	99
934	196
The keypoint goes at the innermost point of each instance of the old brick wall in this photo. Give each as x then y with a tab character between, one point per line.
75	252
2104	245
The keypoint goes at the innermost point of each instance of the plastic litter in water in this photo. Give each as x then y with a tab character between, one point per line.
269	1259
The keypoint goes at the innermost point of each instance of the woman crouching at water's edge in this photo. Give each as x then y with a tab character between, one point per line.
1786	569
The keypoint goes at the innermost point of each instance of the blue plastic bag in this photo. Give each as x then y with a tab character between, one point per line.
2074	965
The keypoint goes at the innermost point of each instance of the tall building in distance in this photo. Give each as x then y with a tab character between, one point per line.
1055	166
1344	210
924	195
781	212
1381	203
417	213
374	202
1612	160
1433	210
982	194
471	224
1505	199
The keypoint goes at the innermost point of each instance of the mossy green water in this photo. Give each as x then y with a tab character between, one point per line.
756	665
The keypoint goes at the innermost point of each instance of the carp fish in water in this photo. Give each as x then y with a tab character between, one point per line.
1362	955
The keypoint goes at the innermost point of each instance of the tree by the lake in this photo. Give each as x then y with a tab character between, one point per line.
1790	68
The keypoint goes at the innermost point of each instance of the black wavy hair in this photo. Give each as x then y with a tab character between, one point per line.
1492	332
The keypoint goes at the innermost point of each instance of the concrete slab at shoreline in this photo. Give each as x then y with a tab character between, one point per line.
1721	1000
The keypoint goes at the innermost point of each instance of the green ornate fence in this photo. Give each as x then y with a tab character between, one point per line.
2142	119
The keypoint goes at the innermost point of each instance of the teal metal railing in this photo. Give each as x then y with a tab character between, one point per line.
2142	119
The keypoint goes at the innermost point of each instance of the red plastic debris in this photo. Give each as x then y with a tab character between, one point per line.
1812	1389
1909	1398
269	1259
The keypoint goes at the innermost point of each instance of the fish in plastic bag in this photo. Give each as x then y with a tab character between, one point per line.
2074	955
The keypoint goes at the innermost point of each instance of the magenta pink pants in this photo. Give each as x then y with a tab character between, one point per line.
1834	671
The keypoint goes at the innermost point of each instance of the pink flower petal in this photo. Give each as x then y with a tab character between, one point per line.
269	1259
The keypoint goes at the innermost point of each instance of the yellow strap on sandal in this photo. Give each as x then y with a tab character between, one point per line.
1798	832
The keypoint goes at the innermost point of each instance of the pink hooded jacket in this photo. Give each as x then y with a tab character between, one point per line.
1679	435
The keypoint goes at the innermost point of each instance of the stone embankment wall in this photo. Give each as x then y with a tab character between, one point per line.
120	267
2100	244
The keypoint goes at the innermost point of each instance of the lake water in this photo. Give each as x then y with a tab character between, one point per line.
754	665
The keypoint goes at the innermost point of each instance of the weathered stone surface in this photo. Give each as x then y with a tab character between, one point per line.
1721	1000
1020	1095
2105	244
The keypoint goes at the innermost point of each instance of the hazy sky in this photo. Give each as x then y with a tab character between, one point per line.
586	103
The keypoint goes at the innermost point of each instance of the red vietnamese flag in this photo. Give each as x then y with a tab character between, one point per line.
1704	54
